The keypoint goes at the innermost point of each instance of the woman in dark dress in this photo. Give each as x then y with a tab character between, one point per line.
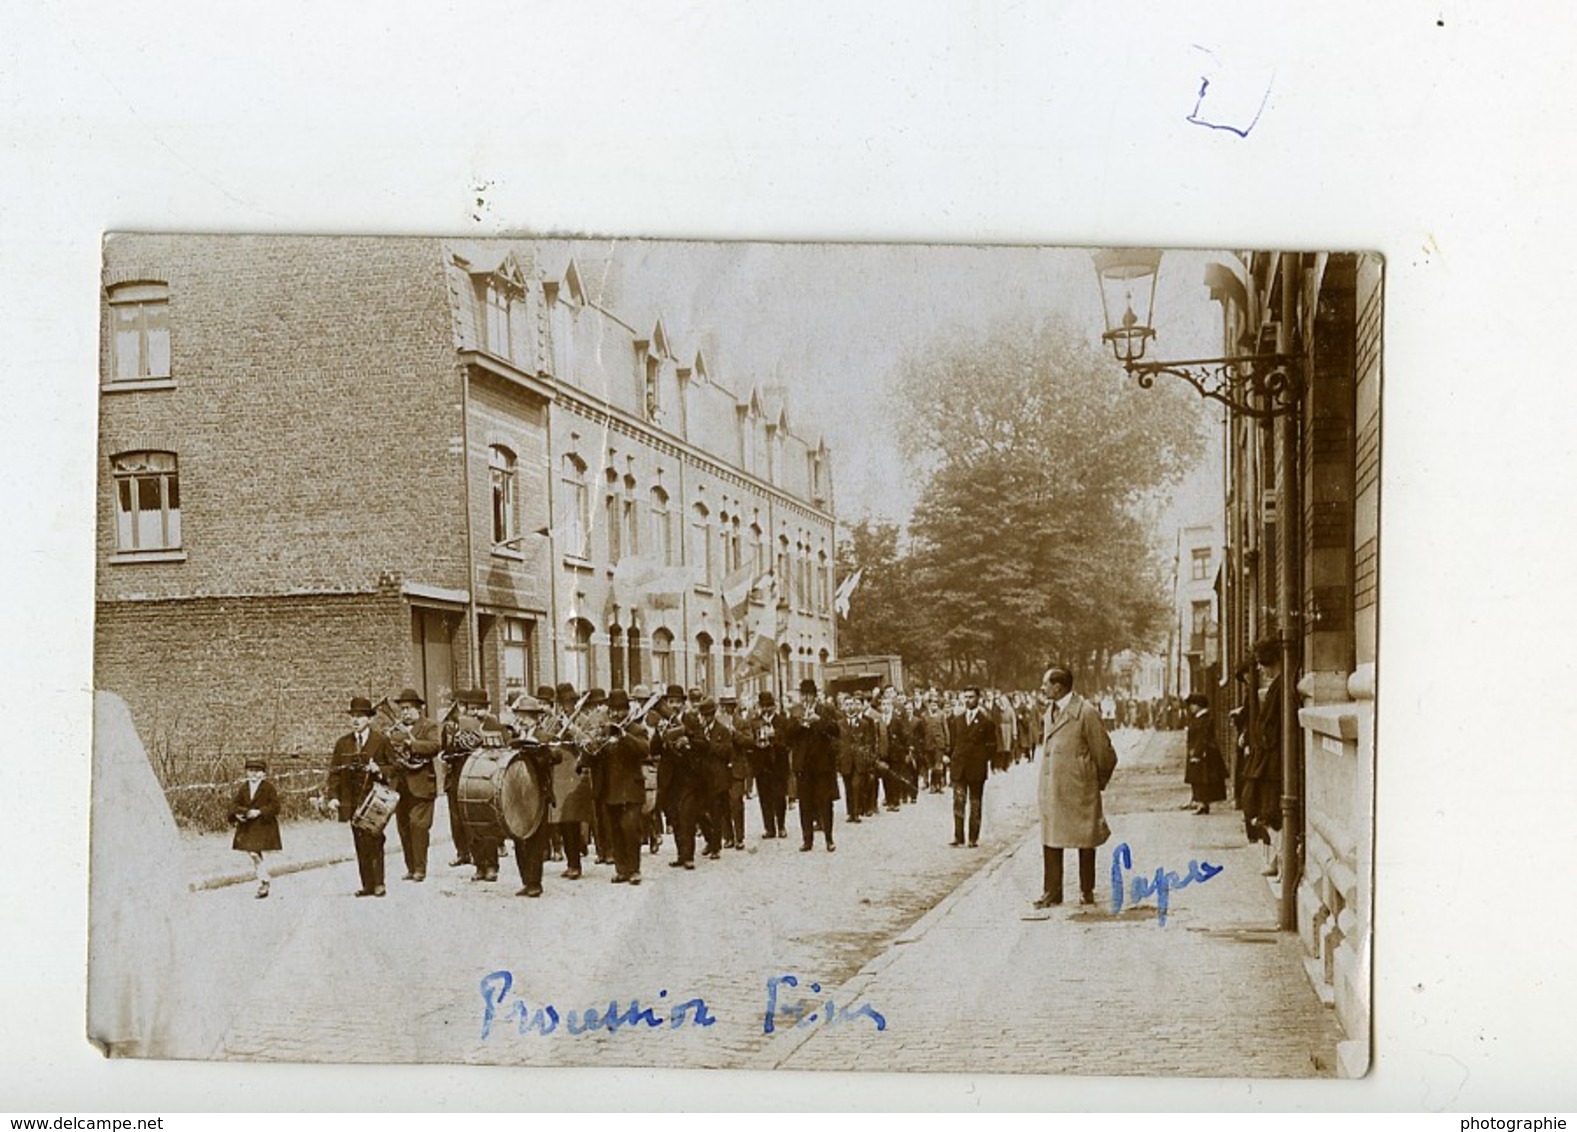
1206	771
255	811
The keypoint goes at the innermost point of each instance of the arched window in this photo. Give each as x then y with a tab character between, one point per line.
506	495
736	551
615	656
578	659
663	657
613	518
703	663
758	540
633	641
821	582
630	519
784	580
662	527
575	507
139	331
701	543
147	501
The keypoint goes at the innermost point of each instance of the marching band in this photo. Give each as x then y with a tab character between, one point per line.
635	766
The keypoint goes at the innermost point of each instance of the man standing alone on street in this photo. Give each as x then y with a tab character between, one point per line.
1076	764
974	736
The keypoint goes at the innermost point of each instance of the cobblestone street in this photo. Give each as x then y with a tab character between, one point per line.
929	936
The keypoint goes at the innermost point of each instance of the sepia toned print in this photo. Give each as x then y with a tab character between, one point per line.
623	653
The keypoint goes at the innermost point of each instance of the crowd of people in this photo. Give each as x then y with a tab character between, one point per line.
621	774
616	776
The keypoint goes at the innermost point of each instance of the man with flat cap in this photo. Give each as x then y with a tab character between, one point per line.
360	759
811	731
417	740
974	739
769	762
1076	763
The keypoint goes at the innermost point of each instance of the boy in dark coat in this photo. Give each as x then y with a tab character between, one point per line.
255	811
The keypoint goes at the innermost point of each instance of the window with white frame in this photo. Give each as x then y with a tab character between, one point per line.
574	507
703	663
577	653
630	518
1200	564
502	479
517	656
663	657
139	331
662	526
701	542
505	320
147	501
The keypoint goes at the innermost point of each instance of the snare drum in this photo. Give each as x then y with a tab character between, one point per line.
376	808
499	795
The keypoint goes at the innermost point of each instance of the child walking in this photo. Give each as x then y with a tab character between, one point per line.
255	812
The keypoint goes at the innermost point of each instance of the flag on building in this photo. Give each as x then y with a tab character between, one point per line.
666	589
759	658
736	591
846	589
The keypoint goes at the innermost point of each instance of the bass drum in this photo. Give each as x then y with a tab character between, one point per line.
499	795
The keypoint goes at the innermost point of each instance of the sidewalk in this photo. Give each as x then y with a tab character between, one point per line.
209	862
1215	991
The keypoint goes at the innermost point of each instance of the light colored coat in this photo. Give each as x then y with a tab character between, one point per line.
1076	763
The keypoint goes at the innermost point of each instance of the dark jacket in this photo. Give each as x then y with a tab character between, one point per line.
349	779
259	834
813	751
974	746
623	768
415	774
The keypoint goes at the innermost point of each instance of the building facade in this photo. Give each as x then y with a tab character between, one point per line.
1311	585
332	467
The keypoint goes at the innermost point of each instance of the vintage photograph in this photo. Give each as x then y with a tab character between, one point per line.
628	653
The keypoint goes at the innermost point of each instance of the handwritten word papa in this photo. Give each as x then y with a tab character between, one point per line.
1161	885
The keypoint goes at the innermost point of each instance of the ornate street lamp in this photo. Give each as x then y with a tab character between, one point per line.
1262	386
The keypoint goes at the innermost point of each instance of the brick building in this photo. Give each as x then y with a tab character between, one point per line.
332	467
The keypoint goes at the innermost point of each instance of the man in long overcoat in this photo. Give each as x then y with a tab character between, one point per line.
812	731
1076	763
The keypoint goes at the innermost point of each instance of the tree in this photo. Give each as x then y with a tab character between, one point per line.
1028	540
880	620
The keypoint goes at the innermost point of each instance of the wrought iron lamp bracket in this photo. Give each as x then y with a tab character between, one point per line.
1262	386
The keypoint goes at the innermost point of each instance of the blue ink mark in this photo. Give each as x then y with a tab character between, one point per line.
1198	119
805	1012
502	981
1160	886
496	985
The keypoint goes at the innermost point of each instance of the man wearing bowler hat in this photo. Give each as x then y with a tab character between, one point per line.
769	762
417	741
812	734
360	759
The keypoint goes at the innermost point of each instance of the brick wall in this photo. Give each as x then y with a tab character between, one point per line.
314	415
214	676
